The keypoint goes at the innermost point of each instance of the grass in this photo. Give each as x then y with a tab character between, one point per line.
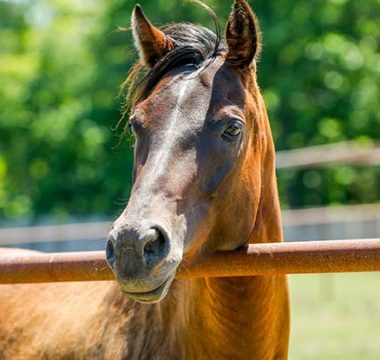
335	317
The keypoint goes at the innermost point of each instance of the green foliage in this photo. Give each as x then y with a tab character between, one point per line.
61	63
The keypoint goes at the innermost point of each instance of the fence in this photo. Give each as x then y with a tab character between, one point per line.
340	222
256	259
344	153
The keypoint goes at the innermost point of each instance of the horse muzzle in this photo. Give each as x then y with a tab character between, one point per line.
144	260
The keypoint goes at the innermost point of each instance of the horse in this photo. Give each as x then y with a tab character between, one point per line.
203	181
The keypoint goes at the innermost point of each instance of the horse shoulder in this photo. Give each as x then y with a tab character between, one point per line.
62	321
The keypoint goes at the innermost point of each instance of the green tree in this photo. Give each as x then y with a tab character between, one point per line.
61	63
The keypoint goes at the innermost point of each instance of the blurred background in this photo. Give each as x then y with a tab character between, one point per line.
64	176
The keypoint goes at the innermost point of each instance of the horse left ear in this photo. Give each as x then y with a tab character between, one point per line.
242	34
151	42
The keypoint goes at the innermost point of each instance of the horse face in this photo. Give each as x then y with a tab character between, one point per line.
193	133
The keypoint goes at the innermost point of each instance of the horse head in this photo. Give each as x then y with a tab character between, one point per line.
202	140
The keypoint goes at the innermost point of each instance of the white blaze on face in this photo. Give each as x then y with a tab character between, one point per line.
181	121
171	130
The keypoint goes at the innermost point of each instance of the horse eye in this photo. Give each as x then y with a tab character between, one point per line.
130	128
232	131
133	128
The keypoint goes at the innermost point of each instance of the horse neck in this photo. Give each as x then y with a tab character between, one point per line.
268	225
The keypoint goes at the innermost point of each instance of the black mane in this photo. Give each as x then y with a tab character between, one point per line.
194	44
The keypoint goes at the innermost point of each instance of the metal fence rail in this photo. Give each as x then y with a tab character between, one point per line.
256	259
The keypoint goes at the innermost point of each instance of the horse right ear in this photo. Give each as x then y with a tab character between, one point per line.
242	34
151	42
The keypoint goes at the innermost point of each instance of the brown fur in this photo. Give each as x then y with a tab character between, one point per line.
211	318
152	43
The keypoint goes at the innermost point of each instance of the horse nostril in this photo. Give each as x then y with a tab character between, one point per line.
110	252
156	249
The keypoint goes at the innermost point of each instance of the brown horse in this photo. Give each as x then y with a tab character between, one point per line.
204	181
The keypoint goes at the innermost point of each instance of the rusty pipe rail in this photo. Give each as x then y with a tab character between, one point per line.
256	259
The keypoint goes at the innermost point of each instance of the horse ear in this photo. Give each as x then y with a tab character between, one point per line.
242	34
151	43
